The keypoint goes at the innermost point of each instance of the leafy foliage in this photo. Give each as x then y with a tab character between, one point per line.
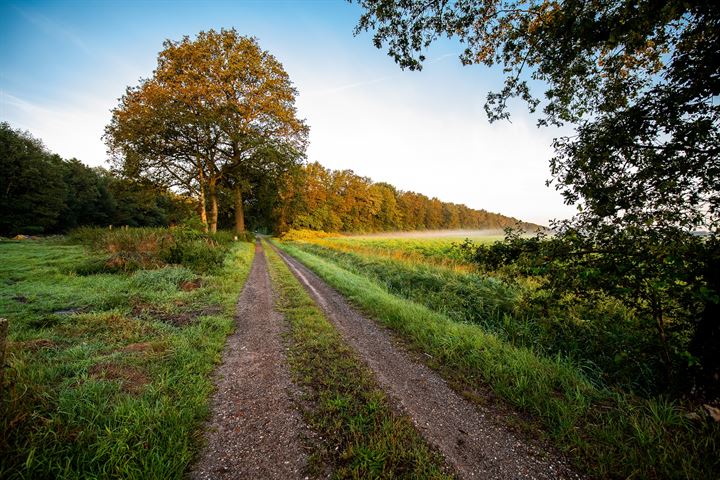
42	193
660	279
32	186
217	110
318	198
639	81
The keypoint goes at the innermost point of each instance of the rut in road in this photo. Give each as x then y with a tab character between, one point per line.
255	430
475	444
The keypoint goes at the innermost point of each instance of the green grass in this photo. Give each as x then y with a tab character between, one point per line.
108	373
577	330
360	435
462	296
607	433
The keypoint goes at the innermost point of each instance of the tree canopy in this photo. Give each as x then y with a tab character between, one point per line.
208	116
638	79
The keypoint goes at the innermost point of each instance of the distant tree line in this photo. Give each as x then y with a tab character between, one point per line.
40	192
319	198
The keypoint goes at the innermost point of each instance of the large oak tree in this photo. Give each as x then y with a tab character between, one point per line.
209	114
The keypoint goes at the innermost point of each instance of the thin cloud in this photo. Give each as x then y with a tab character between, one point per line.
349	86
66	34
442	57
64	129
55	29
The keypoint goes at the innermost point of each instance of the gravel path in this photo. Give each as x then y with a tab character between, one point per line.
254	431
475	444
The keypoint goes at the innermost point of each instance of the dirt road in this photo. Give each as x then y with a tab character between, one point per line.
255	431
472	442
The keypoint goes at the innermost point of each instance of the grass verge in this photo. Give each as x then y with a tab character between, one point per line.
108	373
518	313
608	434
361	437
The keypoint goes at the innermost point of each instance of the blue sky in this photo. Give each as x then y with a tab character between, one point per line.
63	65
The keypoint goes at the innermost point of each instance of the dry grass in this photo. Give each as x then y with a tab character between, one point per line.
132	379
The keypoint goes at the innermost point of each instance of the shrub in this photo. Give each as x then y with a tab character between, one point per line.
131	249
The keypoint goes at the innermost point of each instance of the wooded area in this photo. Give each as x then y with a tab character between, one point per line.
341	201
40	192
43	193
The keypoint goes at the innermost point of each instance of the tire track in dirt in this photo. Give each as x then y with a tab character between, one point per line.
475	444
254	430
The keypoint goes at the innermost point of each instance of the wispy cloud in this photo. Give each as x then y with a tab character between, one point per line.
374	81
442	57
55	29
65	129
348	86
66	34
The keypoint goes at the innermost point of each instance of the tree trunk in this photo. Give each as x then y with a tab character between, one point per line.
212	190
203	209
705	344
203	203
239	213
665	349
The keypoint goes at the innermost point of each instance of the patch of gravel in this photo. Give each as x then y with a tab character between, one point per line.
254	431
473	442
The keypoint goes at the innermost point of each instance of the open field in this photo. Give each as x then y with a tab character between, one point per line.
438	251
479	333
108	361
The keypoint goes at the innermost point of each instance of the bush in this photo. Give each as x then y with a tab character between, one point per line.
632	302
131	249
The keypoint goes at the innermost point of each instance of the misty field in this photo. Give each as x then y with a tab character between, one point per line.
438	247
